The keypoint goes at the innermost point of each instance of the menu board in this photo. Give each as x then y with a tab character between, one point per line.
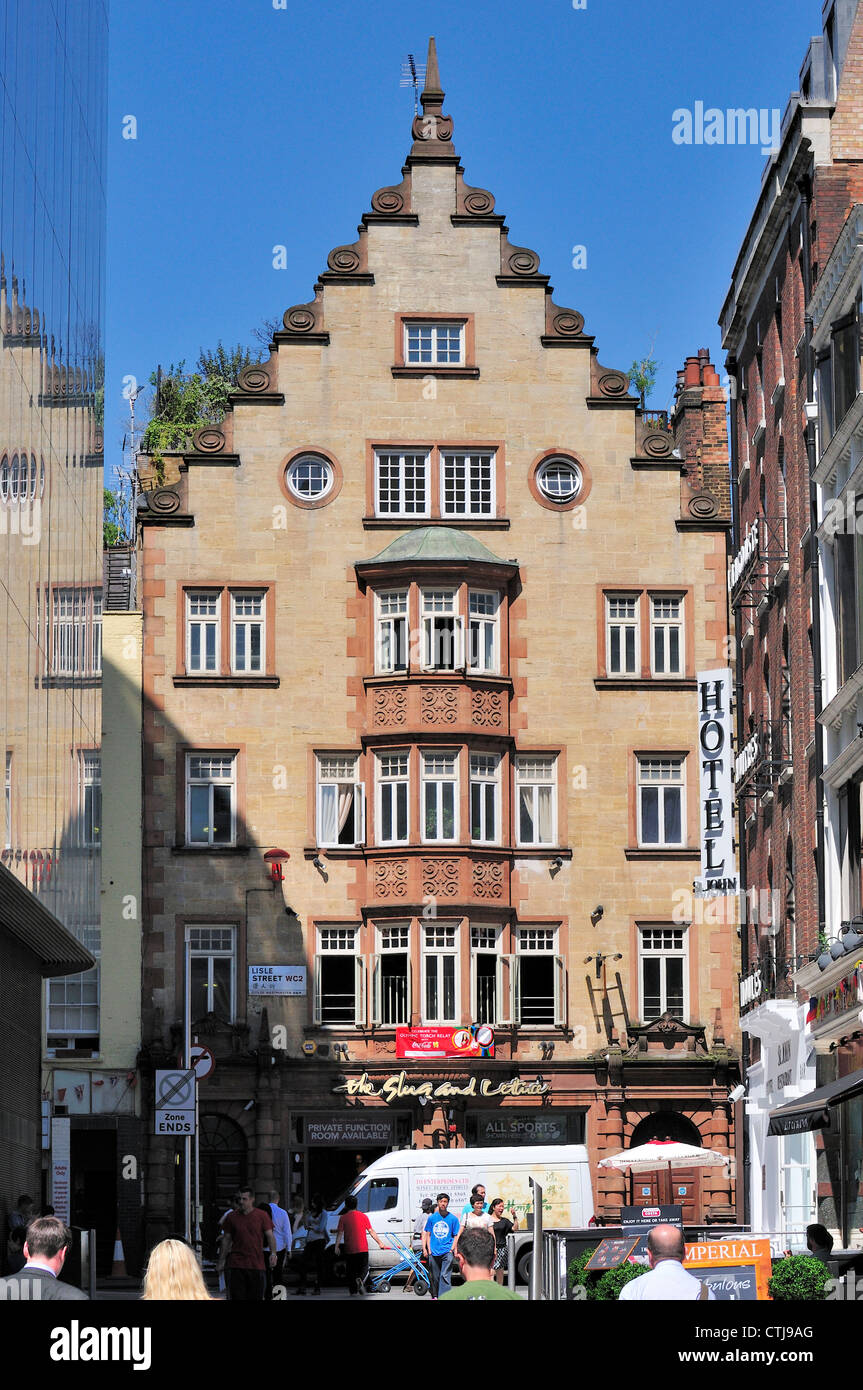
611	1253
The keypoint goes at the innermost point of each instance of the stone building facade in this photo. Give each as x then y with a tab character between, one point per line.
422	620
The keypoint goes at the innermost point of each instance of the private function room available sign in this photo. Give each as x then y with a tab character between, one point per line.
716	808
277	979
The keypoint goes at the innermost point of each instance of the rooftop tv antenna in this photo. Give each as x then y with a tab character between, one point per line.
412	75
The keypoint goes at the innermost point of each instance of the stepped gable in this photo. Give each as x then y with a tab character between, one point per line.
432	143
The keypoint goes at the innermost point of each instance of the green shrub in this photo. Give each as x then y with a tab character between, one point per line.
576	1276
798	1279
612	1281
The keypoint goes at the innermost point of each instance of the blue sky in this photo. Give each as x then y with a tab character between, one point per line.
259	126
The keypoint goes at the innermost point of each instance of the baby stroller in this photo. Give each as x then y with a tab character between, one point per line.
409	1262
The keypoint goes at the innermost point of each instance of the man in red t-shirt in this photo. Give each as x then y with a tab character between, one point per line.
245	1231
355	1228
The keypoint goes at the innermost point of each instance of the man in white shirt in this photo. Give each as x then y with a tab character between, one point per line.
667	1281
284	1239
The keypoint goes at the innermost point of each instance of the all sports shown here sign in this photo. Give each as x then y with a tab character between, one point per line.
716	808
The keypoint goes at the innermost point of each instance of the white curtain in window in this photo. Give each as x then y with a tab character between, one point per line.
336	803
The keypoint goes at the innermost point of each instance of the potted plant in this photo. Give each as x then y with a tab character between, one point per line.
798	1279
823	959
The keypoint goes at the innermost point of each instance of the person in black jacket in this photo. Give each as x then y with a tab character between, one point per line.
45	1248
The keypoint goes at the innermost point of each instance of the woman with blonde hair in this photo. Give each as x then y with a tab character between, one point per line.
173	1273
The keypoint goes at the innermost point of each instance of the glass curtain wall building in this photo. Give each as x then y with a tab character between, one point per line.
53	97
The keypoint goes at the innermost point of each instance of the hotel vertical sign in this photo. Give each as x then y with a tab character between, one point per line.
716	806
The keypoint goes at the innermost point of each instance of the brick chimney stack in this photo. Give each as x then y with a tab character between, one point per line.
700	433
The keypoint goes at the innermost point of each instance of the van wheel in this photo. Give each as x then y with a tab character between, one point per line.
523	1268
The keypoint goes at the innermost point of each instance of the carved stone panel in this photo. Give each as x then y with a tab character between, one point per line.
440	878
390	707
391	878
486	708
488	879
439	704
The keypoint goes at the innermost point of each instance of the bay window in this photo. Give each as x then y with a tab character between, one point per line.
392	630
440	973
393	795
440	796
484	798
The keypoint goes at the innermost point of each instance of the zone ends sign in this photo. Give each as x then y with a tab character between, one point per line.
716	805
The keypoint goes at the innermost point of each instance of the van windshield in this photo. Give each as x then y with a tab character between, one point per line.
378	1194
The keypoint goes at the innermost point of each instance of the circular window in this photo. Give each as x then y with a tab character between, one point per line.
559	480
310	477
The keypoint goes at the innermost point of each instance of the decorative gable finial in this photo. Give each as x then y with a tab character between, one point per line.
432	95
432	131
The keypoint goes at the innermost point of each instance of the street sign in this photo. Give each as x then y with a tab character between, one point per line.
203	1061
175	1102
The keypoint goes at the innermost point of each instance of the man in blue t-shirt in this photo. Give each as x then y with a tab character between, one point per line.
440	1231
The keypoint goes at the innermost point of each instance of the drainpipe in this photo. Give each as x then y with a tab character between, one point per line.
805	189
736	533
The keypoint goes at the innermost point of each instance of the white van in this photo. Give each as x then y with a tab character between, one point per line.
391	1189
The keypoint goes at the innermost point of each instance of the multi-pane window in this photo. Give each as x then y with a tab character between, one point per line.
483	610
212	971
666	635
341	800
73	1008
440	973
535	795
434	344
402	484
339	977
247	630
661	818
393	790
621	634
392	630
90	798
484	798
440	795
76	631
467	484
202	629
211	788
540	978
442	630
663	972
486	1003
310	477
392	992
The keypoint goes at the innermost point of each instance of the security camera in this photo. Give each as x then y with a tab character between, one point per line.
557	862
737	1094
318	862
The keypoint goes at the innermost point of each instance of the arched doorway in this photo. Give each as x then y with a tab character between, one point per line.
682	1186
666	1124
222	1152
